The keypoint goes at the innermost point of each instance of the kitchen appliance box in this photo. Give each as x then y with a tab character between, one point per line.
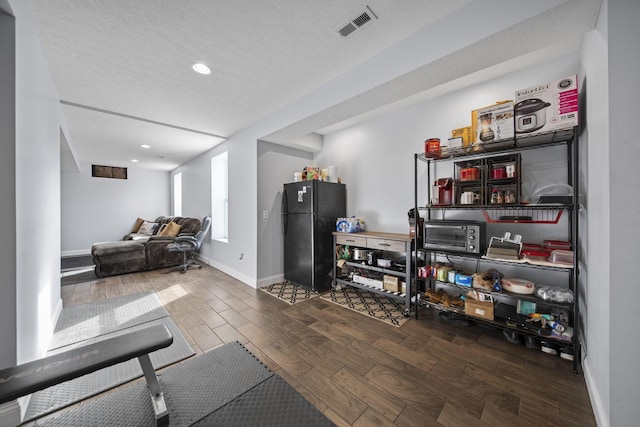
495	124
547	107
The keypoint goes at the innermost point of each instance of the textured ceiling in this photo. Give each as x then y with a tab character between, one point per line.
123	68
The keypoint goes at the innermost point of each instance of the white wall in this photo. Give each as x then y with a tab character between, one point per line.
237	257
623	35
104	209
38	124
597	243
276	166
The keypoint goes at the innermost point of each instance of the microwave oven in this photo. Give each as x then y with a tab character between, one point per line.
459	236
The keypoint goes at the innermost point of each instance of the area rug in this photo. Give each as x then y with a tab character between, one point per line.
374	305
88	323
289	292
227	386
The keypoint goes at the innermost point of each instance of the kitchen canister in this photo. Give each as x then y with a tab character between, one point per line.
432	147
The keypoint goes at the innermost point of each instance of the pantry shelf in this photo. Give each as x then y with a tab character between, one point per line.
523	215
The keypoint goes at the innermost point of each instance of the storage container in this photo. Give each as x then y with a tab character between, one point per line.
535	255
554	294
560	256
518	286
556	244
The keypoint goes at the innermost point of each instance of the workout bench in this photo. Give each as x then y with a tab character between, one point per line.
51	370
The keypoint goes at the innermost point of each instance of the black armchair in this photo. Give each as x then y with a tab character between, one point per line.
188	245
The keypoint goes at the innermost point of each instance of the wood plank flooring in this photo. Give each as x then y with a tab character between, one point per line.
359	371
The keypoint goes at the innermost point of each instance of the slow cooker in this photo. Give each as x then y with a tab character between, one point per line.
359	254
531	115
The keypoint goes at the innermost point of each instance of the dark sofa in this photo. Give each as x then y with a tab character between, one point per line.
140	252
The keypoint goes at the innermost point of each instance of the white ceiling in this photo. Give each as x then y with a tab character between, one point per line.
123	68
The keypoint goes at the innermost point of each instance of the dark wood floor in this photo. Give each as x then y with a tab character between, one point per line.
362	372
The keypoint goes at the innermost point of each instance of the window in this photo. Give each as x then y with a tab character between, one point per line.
219	197
177	194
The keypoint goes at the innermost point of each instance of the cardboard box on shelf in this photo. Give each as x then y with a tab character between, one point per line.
367	281
465	134
547	107
495	124
481	309
391	283
475	141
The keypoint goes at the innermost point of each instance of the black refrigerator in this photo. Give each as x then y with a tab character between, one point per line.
309	212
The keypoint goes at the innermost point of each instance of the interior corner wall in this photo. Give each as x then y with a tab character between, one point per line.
236	257
276	166
594	274
38	121
624	155
7	191
104	209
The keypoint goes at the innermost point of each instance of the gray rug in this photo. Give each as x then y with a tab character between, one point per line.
227	386
85	321
103	320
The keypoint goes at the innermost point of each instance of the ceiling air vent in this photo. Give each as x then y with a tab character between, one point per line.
362	18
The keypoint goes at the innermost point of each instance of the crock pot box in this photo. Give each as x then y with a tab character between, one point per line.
547	107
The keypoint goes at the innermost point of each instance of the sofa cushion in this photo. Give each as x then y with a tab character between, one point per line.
136	225
170	229
110	248
111	258
148	228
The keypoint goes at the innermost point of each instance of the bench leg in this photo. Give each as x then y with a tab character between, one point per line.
157	398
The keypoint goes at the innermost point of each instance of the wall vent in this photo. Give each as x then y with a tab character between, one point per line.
362	18
98	171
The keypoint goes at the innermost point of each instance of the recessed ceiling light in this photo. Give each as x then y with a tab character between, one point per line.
145	146
201	68
134	160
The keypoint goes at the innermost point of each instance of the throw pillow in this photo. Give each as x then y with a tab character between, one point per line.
172	229
136	225
148	228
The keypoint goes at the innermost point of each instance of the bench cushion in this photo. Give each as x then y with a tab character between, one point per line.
42	373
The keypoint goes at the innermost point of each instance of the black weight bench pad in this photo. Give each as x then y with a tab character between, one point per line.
227	386
51	370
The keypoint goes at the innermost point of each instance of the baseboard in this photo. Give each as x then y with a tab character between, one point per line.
231	272
594	395
76	253
10	415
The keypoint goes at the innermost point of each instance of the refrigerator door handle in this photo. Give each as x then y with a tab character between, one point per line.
283	208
